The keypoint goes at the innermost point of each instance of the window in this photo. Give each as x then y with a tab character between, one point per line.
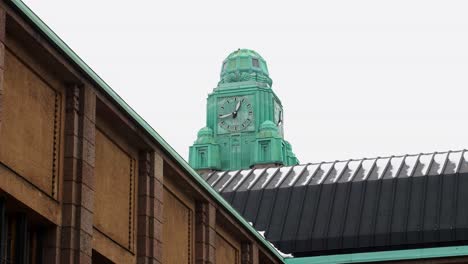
20	236
264	150
255	63
202	157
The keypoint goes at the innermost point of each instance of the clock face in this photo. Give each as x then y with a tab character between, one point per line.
235	114
279	117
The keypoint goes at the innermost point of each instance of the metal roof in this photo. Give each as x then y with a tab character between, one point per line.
354	205
70	55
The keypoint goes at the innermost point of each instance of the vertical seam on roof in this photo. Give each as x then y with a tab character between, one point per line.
275	190
381	179
441	181
428	170
416	163
221	175
461	161
345	218
382	176
313	174
444	166
262	194
299	220
408	205
306	186
267	181
292	184
350	179
392	210
280	181
210	175
315	208
238	184
329	213
366	177
226	184
325	175
332	203
385	169
454	217
285	215
376	208
338	177
361	207
402	164
422	210
249	190
254	181
235	192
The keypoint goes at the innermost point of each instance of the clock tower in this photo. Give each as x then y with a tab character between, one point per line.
244	119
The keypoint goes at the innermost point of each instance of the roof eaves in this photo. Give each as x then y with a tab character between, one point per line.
59	43
394	255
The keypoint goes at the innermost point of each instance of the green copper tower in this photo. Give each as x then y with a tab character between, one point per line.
244	119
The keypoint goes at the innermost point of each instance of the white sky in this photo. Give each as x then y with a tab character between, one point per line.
356	78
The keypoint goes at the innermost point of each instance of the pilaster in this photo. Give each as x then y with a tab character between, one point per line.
249	253
2	57
156	223
205	233
78	183
149	240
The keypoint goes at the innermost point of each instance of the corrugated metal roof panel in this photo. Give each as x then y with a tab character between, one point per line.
353	205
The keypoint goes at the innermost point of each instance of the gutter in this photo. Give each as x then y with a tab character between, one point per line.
394	255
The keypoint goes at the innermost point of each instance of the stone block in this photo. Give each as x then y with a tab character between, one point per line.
86	197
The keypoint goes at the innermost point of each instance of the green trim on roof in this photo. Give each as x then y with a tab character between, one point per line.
68	52
407	254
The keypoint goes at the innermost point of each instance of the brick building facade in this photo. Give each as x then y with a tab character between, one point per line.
83	179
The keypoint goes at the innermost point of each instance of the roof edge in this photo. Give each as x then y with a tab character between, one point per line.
394	255
68	52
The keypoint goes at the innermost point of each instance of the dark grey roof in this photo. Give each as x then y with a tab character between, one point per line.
354	205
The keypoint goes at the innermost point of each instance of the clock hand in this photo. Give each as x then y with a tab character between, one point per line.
280	118
234	114
238	106
226	115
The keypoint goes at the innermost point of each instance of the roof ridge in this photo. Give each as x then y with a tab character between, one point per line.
388	157
372	158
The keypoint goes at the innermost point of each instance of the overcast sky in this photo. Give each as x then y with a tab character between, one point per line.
356	78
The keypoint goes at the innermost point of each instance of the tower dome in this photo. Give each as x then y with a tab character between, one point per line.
244	65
